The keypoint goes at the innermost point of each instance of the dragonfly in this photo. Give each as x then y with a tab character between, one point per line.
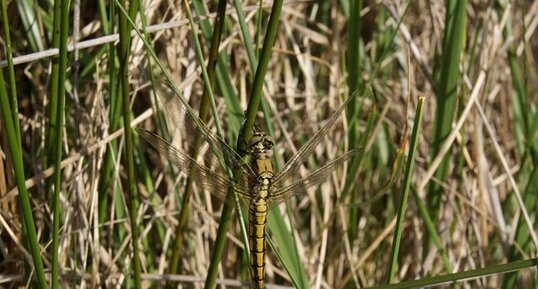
254	183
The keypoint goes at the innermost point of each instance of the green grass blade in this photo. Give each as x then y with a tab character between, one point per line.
283	245
247	40
220	240
142	168
449	75
471	274
24	200
432	231
354	83
10	69
354	42
30	23
522	240
9	112
525	127
261	70
123	54
225	85
207	88
402	208
53	105
114	117
62	69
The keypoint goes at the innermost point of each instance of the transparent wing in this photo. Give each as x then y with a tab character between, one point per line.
279	195
291	168
213	180
186	120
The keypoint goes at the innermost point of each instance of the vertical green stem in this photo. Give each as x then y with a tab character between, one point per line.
261	70
53	104
18	167
354	78
123	53
11	70
446	94
407	183
108	164
64	28
9	112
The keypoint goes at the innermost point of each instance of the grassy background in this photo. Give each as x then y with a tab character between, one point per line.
447	187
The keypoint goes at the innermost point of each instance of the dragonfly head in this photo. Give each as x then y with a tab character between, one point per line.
261	145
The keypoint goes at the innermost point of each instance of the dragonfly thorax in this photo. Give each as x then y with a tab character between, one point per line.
260	150
260	146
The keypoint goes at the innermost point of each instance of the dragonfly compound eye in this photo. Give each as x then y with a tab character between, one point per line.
255	140
268	143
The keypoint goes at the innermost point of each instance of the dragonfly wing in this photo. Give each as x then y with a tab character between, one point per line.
185	119
292	166
280	195
213	180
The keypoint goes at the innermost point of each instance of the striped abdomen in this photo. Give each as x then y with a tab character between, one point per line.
257	218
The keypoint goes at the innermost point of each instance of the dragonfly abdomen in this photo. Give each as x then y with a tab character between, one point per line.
260	151
257	220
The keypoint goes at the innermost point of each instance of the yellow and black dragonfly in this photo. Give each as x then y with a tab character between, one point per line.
256	184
